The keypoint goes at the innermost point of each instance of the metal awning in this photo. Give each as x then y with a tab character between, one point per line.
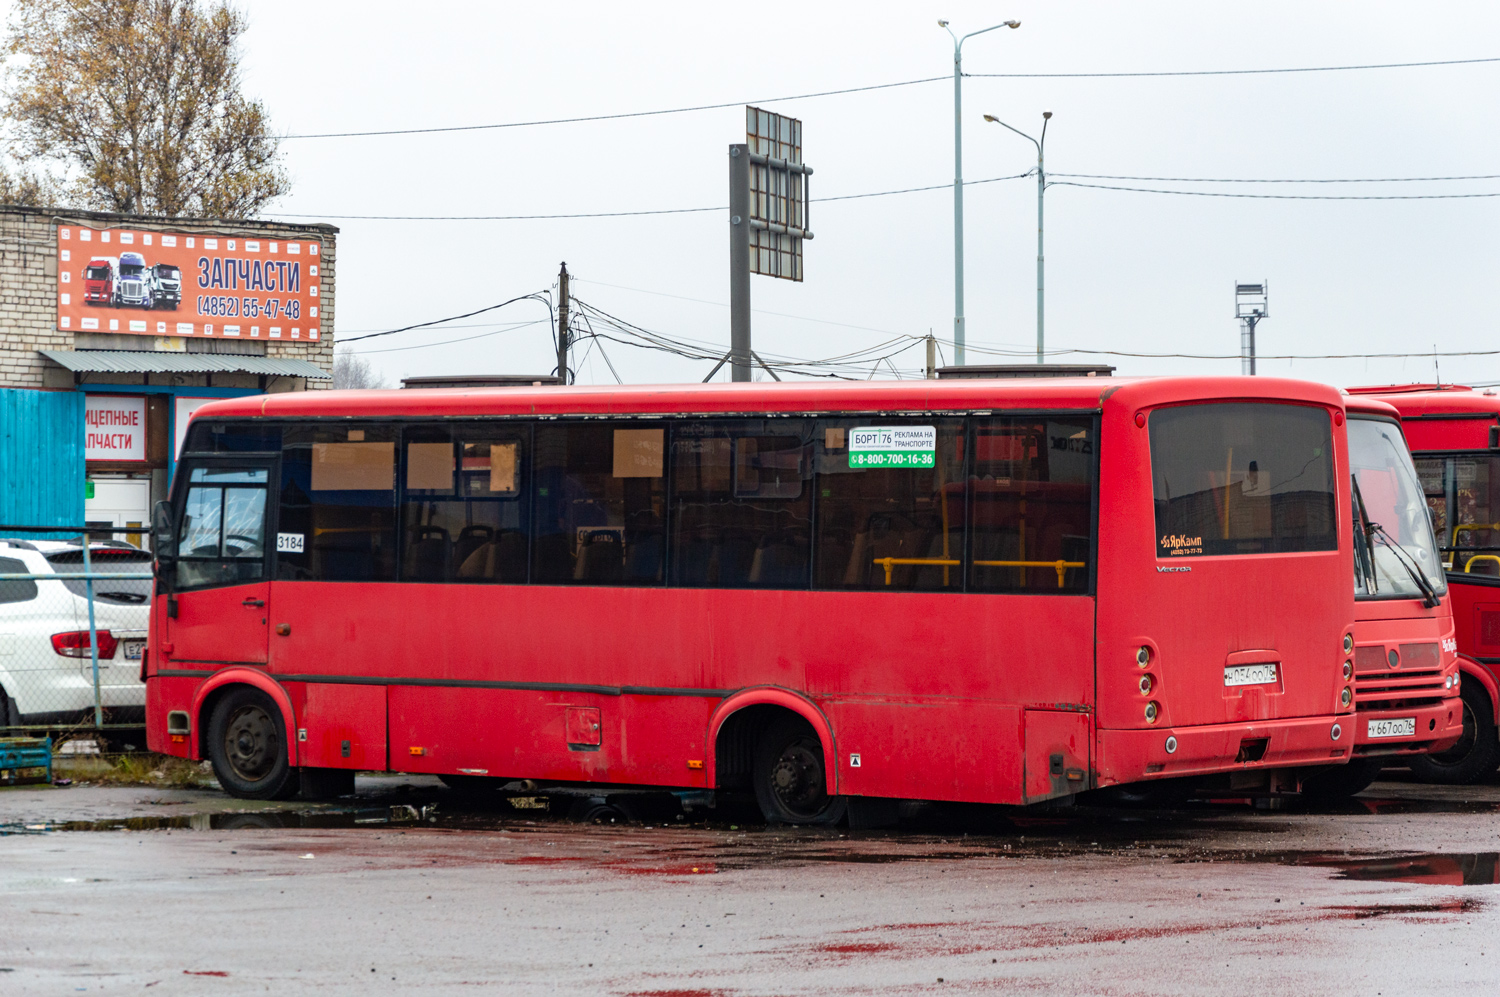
151	362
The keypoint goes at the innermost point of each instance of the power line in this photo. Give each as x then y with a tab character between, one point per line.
632	214
1281	197
508	327
1109	176
534	296
1233	72
615	117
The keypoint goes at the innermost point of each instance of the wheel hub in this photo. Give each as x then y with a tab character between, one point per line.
797	778
249	743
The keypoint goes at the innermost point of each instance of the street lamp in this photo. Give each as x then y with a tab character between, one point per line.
1041	190
958	181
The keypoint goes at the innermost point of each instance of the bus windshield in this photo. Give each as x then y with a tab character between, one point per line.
1391	511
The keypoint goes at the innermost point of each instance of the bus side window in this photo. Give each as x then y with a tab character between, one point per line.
890	519
338	500
462	507
1031	495
599	503
741	503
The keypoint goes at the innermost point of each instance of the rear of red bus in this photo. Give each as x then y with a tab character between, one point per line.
1226	607
1405	667
1454	435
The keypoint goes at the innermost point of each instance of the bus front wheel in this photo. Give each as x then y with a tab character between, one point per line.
1477	752
791	782
247	746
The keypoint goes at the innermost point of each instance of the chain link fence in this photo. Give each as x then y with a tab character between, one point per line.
73	617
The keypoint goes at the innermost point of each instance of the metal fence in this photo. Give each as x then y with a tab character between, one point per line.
74	608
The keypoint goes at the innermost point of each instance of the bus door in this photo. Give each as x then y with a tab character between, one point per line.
219	579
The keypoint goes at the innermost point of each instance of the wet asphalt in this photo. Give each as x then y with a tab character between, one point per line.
415	887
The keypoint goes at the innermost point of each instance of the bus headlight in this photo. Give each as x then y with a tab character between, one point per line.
1143	656
1152	711
1346	697
1348	643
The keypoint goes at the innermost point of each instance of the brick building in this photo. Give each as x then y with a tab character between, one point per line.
103	359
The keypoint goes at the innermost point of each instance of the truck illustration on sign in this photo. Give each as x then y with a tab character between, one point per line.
166	286
99	281
133	285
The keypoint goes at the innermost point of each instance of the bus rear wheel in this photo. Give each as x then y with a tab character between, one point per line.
791	782
1340	782
1477	752
247	746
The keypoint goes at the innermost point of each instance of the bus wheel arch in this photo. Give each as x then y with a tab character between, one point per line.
223	683
1473	671
780	745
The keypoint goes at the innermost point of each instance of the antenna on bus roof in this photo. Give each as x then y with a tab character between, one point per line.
1436	376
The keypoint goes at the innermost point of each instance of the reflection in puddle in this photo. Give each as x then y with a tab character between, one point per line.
1438	869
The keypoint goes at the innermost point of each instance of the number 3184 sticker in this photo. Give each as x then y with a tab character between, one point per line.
289	543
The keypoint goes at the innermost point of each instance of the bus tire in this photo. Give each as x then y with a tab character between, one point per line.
791	784
247	746
1339	782
1477	752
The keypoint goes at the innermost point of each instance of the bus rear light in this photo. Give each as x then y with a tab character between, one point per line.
1146	685
76	644
1153	710
1346	697
1143	656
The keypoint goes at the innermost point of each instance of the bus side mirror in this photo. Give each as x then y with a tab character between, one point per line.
163	533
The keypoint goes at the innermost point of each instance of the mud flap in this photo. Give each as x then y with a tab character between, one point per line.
1057	754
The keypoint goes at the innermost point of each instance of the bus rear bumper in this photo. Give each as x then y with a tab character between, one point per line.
1434	728
1125	756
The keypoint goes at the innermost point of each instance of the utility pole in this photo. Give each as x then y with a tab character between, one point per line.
739	262
562	325
931	356
1041	196
1251	304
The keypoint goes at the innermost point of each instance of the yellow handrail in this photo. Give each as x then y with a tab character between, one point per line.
1061	567
1471	527
1481	557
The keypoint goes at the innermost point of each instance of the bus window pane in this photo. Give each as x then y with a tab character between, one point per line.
890	527
1391	498
338	491
1474	528
1244	478
740	503
1031	499
201	519
1430	472
454	525
599	510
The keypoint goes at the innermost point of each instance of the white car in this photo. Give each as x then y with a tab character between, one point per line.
46	672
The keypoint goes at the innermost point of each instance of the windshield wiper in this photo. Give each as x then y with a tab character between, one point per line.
1418	576
1367	531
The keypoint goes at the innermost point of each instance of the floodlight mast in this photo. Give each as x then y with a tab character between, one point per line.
958	180
1251	304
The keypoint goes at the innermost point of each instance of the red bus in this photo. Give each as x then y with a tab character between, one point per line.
970	590
1454	433
1406	681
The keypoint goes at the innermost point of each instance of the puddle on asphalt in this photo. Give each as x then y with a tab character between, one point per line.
1434	868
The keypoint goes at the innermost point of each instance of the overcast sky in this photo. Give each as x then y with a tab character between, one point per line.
1132	272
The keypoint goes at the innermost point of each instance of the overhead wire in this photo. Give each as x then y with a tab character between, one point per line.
540	122
1109	176
533	296
1280	197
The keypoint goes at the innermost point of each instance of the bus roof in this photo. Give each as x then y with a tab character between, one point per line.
1079	393
1415	400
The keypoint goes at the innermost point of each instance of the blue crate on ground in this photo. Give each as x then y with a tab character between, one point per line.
25	760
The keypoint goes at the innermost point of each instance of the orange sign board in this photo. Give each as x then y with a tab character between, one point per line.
122	280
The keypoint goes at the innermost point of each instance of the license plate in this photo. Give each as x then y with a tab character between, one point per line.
1249	674
1403	727
133	649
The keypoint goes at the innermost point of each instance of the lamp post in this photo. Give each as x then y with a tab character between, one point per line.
1041	190
958	180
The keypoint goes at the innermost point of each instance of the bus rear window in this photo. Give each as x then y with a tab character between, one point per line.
1242	478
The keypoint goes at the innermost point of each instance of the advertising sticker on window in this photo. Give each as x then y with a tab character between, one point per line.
893	446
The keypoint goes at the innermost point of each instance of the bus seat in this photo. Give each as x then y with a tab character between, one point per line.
777	564
599	559
502	559
470	539
427	554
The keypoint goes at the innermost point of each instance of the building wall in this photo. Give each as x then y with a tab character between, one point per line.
28	287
